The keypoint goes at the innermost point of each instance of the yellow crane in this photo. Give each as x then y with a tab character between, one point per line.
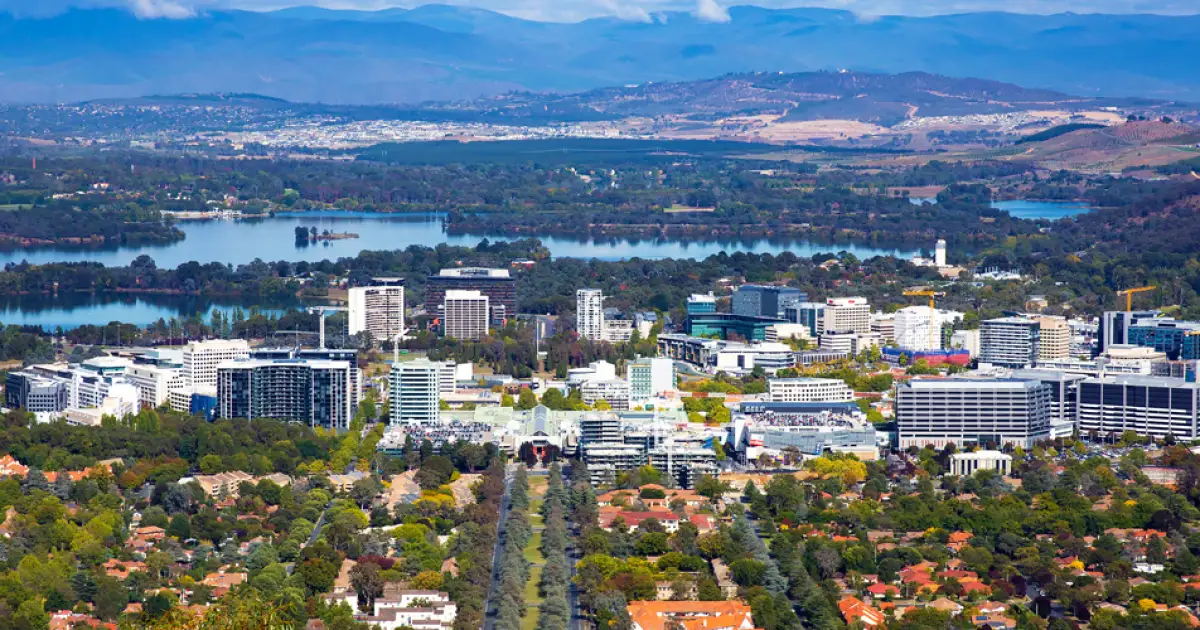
1128	293
934	344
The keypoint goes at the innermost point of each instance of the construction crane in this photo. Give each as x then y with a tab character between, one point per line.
934	344
320	311
1128	293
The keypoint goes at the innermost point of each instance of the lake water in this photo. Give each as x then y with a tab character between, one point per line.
271	239
73	310
1025	209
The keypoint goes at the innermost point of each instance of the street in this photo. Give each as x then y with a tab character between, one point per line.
489	616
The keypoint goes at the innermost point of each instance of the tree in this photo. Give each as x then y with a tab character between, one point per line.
526	399
368	584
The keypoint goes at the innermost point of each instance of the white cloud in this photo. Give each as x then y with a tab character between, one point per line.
151	9
710	11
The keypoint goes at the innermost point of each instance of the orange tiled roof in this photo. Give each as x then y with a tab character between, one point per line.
653	615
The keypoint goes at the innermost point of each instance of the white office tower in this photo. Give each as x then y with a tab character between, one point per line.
154	382
920	327
848	314
589	313
414	392
466	315
937	412
939	254
377	310
650	377
200	359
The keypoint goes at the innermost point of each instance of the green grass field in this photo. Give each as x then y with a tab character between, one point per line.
533	552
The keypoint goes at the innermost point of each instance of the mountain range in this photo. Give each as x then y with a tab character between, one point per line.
447	53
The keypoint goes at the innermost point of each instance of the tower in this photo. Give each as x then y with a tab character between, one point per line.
939	255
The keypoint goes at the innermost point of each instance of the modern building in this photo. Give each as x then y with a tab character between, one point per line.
967	340
313	391
848	313
35	393
155	382
739	358
697	351
1064	397
497	284
605	460
650	377
1012	342
811	314
377	310
964	464
1147	405
939	254
804	390
599	428
465	315
730	326
1114	327
960	411
414	389
589	314
614	392
201	358
920	327
756	300
683	464
1179	340
781	332
700	303
1055	339
884	324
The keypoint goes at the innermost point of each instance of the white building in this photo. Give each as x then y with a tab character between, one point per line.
939	253
595	371
395	609
967	340
885	325
743	358
378	310
920	328
780	332
414	389
466	315
809	390
962	464
617	330
650	377
848	314
120	401
154	382
937	412
589	313
200	359
1012	342
614	392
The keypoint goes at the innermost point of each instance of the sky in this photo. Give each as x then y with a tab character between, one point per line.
573	10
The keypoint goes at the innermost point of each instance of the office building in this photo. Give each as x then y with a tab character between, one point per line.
961	411
154	382
803	390
920	327
1064	397
465	315
614	392
731	326
1054	341
415	391
849	313
683	464
884	325
740	359
1179	340
699	303
939	254
605	460
965	464
35	393
811	314
201	358
1012	342
967	340
1147	405
377	310
839	341
784	332
313	391
757	300
1114	327
497	284
650	377
589	314
599	428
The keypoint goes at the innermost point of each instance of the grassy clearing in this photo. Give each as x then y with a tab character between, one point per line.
533	552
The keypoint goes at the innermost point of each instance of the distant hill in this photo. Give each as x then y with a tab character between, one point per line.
1137	144
441	52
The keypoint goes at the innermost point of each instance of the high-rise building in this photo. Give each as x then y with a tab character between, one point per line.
698	303
811	314
939	254
848	314
1064	397
35	393
415	388
962	411
1179	340
465	315
1147	405
313	391
757	300
1012	342
589	313
614	392
154	382
200	359
378	310
497	284
1114	327
920	328
1055	338
599	428
884	324
650	377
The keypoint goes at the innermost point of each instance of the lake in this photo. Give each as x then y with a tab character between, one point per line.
273	238
77	309
1052	210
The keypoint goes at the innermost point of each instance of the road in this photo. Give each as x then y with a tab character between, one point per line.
572	589
489	613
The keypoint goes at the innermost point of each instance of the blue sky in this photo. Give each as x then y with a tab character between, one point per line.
570	10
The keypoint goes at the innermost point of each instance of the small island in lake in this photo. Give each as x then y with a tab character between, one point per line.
304	235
